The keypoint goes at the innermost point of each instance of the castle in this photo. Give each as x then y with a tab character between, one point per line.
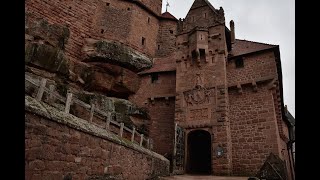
210	103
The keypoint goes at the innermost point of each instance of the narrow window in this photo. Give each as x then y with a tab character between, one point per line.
202	54
171	32
239	62
143	41
108	4
201	36
102	31
154	77
148	19
128	9
158	47
192	18
205	15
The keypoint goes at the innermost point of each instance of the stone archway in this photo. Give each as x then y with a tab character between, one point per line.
199	152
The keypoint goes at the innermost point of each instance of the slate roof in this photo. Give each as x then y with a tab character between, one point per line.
290	118
168	15
161	65
241	47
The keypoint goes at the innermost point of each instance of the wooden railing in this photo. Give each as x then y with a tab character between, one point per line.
70	99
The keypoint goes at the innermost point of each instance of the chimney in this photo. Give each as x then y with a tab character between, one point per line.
232	31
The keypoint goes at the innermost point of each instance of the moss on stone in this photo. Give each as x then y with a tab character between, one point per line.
87	75
29	50
47	57
121	55
121	107
87	98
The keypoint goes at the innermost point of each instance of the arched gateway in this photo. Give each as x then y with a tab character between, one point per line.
199	152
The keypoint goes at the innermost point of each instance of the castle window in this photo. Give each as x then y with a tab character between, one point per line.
154	77
205	15
102	31
158	47
128	9
239	62
202	54
108	4
171	32
148	19
143	41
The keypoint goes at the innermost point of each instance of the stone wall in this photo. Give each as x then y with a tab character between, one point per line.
161	129
161	110
166	43
163	87
254	128
255	67
122	21
154	5
59	146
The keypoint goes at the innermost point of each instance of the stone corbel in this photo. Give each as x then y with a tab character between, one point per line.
239	88
272	84
255	87
222	51
167	100
207	57
215	36
152	100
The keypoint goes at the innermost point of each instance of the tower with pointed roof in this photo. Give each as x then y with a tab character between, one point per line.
202	52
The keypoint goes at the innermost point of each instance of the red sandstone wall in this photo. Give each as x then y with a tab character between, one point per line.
112	20
196	17
161	112
166	43
53	150
154	5
162	126
165	86
142	28
286	158
255	67
78	15
97	19
254	129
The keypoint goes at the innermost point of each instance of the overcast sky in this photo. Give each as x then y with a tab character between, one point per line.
267	21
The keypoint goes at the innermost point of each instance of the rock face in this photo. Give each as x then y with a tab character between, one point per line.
117	81
44	46
115	53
